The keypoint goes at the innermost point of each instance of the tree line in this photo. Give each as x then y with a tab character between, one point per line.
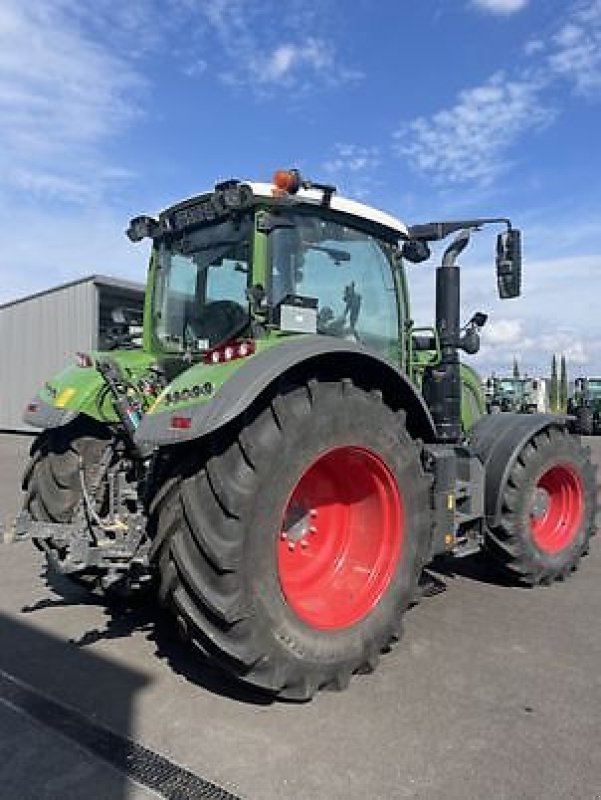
558	386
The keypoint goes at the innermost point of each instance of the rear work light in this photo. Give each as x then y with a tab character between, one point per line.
230	352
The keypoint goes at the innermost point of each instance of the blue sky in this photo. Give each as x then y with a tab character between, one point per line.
430	110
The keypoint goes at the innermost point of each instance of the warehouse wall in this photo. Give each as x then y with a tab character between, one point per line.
39	337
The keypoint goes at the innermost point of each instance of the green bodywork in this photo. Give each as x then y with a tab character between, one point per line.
82	389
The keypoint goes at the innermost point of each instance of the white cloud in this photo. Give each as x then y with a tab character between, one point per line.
576	48
501	6
471	141
195	67
286	59
352	158
354	168
468	142
504	331
270	44
534	46
61	96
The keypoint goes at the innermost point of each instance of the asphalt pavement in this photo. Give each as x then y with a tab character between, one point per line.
494	692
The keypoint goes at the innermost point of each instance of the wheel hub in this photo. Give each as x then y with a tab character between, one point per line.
341	538
557	509
540	503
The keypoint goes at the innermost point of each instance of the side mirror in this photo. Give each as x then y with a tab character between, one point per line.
509	264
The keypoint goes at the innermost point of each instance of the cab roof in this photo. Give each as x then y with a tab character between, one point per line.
309	197
337	203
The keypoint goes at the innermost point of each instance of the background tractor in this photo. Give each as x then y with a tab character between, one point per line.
286	452
525	395
585	405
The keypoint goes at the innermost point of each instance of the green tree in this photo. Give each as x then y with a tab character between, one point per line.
516	369
563	386
554	386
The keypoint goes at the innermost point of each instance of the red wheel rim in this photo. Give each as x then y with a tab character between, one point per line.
557	509
341	538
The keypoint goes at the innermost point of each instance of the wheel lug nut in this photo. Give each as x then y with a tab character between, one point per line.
313	512
312	529
304	543
283	535
291	546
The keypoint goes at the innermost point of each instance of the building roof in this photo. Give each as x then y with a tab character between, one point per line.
98	280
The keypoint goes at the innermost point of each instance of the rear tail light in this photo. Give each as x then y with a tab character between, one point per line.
230	352
180	423
84	360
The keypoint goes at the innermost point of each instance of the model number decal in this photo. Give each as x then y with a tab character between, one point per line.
181	395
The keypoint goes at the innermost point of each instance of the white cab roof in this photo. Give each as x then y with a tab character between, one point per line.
343	204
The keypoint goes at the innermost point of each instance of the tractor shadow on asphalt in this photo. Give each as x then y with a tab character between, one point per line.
142	615
477	567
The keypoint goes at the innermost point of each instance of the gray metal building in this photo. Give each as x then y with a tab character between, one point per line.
40	335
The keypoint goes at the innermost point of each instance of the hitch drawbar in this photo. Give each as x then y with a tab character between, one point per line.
81	545
25	527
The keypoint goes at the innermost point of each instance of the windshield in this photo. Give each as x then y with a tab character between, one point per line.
200	296
594	386
347	274
509	386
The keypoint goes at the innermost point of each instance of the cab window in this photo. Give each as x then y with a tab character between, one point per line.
347	271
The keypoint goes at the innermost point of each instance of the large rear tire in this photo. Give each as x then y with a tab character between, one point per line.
548	509
290	553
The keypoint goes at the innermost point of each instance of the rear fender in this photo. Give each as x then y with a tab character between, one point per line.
497	440
296	359
82	390
73	391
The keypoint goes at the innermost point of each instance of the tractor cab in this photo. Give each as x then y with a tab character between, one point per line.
586	406
252	260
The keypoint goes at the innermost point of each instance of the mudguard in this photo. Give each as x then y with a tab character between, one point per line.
304	355
497	439
41	415
80	390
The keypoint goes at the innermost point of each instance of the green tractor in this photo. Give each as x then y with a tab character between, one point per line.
287	452
525	395
585	405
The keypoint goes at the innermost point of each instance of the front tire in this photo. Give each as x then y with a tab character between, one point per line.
290	553
548	509
51	480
